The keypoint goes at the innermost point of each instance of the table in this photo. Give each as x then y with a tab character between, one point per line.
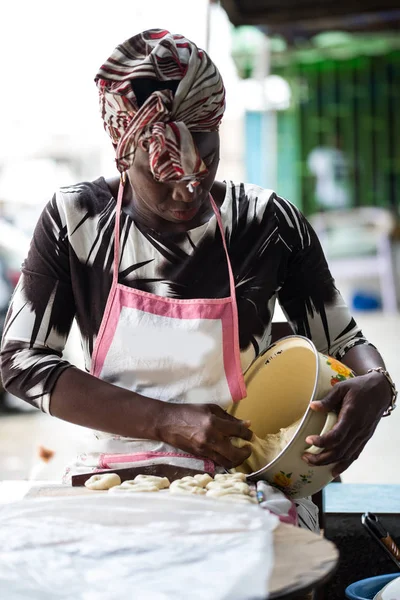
303	560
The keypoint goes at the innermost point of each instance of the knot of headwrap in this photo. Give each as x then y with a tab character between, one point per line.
164	122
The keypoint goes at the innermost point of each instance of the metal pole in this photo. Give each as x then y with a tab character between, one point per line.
208	25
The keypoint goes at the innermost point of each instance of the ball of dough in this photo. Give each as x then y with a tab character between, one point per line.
161	482
186	488
240	486
133	487
203	479
103	481
187	481
230	476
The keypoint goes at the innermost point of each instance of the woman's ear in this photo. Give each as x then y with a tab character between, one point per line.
144	145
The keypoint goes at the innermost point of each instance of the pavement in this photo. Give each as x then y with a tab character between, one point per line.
22	434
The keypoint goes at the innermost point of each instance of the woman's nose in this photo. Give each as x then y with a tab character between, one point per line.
181	192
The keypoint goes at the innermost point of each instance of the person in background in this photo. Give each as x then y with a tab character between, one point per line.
330	166
172	278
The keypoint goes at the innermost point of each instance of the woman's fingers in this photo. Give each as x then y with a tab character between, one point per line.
335	444
234	428
232	456
337	455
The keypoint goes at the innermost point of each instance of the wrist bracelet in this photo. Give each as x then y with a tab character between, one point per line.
392	404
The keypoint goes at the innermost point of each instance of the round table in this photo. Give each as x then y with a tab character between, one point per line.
303	561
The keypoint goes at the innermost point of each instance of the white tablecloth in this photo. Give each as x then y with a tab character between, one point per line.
104	546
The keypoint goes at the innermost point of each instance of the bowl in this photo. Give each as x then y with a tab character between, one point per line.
391	591
374	588
280	385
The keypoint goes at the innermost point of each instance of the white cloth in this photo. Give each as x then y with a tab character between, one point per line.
152	547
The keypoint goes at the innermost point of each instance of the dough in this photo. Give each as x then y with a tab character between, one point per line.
230	476
240	486
161	482
187	479
203	479
103	481
186	488
131	486
265	451
225	491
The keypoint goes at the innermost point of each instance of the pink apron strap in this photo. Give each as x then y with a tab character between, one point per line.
116	233
235	316
231	277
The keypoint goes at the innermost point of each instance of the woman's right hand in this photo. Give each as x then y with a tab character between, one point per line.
205	430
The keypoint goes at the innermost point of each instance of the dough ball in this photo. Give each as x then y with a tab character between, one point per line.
240	486
224	491
103	481
132	486
161	482
203	479
187	481
230	476
186	488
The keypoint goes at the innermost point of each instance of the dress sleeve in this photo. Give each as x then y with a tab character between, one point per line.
40	314
309	298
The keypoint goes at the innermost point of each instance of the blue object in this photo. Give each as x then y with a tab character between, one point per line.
366	301
361	497
257	148
366	589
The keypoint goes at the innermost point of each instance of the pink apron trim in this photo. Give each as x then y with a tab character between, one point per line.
159	307
106	459
102	333
236	346
114	284
172	307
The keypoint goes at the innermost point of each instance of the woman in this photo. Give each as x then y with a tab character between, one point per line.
172	278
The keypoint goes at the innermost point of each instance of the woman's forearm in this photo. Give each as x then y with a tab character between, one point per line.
363	357
85	400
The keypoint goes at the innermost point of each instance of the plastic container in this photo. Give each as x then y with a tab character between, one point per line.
366	589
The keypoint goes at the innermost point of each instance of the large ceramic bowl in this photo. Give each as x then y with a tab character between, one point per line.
280	386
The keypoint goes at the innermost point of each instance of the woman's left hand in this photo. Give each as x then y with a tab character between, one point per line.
360	403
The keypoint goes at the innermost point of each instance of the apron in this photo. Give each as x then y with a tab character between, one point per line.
173	350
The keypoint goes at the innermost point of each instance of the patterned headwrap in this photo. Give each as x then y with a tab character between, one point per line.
164	122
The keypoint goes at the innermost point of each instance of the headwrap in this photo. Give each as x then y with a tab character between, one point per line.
163	124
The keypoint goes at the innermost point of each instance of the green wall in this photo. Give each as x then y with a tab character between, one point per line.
356	99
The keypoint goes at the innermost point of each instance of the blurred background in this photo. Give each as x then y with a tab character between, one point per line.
313	96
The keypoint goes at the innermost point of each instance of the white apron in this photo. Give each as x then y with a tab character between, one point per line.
169	349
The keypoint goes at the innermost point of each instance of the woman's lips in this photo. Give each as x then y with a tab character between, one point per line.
185	215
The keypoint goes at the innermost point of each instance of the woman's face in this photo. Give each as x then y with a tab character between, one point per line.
170	206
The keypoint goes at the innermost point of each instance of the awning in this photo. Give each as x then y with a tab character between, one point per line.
314	15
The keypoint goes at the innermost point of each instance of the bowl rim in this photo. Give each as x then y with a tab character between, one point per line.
306	417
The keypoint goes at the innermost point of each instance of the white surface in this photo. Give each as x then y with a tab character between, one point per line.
163	547
391	591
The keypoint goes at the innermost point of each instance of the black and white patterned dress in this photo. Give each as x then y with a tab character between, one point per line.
274	252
